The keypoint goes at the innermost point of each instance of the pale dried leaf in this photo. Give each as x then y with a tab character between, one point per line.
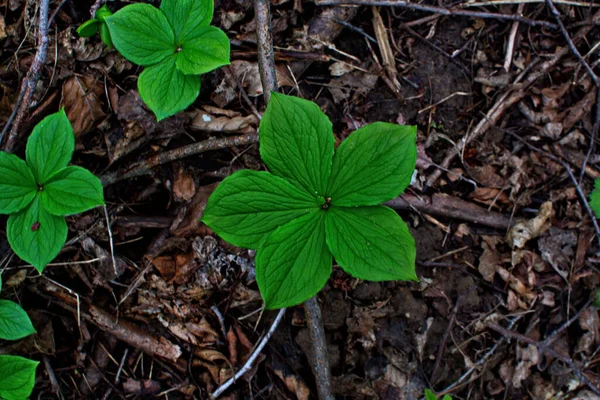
81	99
524	231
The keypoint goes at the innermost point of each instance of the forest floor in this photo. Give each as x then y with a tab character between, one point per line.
507	253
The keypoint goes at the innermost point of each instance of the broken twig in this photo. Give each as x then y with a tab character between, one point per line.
437	10
29	82
248	365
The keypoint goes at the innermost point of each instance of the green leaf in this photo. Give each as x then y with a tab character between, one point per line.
50	146
88	28
105	36
293	263
35	235
166	90
186	16
373	165
371	243
206	50
103	12
447	397
72	190
249	205
142	34
595	198
429	395
17	377
14	321
17	184
296	142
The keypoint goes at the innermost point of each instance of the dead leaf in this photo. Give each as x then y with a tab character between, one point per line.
165	265
184	186
524	231
590	323
81	99
142	388
232	346
486	175
204	121
248	75
294	383
188	222
488	262
528	357
558	249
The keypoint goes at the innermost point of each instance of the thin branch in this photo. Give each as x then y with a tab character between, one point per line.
480	362
571	44
507	333
248	365
145	167
266	58
437	10
578	189
97	4
502	2
29	82
513	95
320	357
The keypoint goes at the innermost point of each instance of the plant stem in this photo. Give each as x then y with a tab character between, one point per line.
320	359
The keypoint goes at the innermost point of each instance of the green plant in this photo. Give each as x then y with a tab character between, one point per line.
175	43
595	198
97	24
17	374
40	192
317	203
429	395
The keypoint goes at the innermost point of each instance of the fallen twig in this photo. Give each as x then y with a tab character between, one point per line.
437	10
512	96
593	76
570	42
580	193
144	167
480	362
29	82
122	330
320	359
97	4
451	207
510	47
507	333
486	3
248	365
266	58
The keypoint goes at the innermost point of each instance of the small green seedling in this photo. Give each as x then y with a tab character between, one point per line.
17	374
595	198
97	24
318	202
429	395
40	192
175	43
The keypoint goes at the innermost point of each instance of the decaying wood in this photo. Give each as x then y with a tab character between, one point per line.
451	207
29	82
123	330
145	167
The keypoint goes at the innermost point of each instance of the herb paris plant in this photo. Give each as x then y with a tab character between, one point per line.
17	374
97	24
175	43
40	192
317	203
